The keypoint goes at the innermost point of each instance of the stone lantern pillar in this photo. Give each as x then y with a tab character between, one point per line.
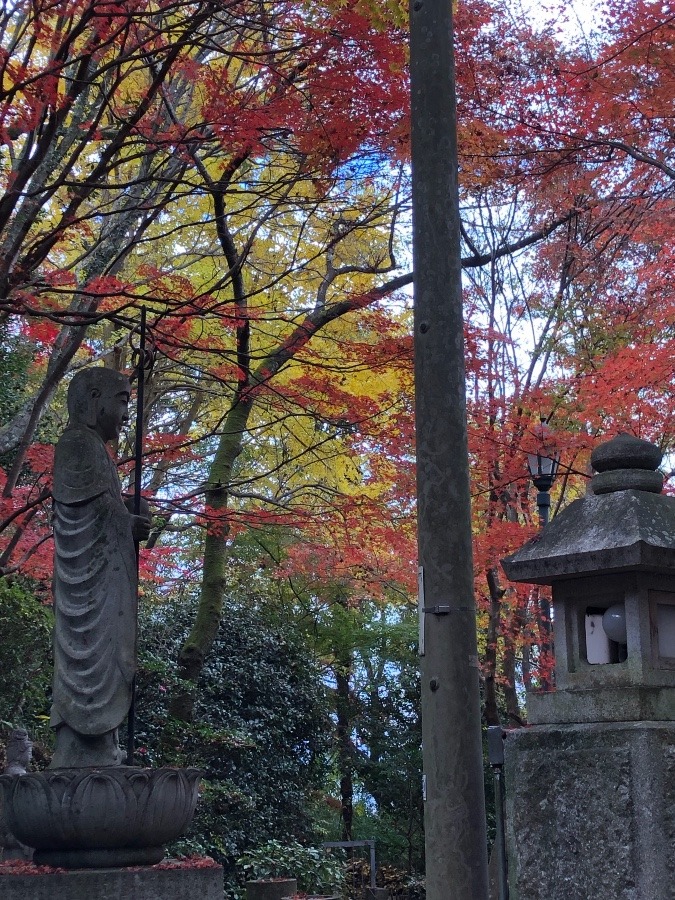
591	785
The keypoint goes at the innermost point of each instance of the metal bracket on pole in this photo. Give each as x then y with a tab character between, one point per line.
444	609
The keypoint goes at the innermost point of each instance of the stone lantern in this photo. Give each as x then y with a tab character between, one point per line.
591	786
610	558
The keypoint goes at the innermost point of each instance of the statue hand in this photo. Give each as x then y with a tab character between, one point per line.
140	527
144	506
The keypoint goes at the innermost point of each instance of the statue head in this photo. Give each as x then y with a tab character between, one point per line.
99	399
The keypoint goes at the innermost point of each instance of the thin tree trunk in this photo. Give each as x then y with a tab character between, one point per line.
514	713
343	708
207	621
491	711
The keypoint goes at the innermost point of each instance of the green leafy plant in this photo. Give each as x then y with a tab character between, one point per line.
317	870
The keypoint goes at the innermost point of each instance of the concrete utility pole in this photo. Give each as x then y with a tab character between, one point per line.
456	851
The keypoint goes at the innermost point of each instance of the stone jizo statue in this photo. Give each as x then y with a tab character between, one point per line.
95	576
88	810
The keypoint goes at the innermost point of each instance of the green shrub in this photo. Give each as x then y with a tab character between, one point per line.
259	732
318	870
25	661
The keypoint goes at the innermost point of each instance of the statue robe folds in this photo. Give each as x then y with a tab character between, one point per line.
95	588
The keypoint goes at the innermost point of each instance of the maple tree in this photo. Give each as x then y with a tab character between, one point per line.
579	329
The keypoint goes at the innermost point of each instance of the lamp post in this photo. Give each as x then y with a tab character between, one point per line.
543	466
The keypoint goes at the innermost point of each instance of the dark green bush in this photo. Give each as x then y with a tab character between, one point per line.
25	661
259	734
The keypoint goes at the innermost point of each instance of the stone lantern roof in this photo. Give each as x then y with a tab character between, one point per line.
623	524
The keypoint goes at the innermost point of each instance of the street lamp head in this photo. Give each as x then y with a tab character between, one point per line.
543	469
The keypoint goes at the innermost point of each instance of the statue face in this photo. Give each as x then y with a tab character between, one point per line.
112	413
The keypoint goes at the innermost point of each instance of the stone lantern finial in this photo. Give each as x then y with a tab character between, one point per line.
626	463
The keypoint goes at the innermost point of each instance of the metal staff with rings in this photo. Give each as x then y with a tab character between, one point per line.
143	361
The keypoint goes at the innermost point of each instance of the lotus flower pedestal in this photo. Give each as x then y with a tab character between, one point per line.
116	816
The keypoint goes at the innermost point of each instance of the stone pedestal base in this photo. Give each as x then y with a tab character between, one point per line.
99	859
271	888
169	882
590	811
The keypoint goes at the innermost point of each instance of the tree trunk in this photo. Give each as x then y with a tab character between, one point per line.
543	609
207	621
343	709
491	711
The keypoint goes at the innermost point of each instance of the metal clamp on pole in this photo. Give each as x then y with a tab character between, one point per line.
444	609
